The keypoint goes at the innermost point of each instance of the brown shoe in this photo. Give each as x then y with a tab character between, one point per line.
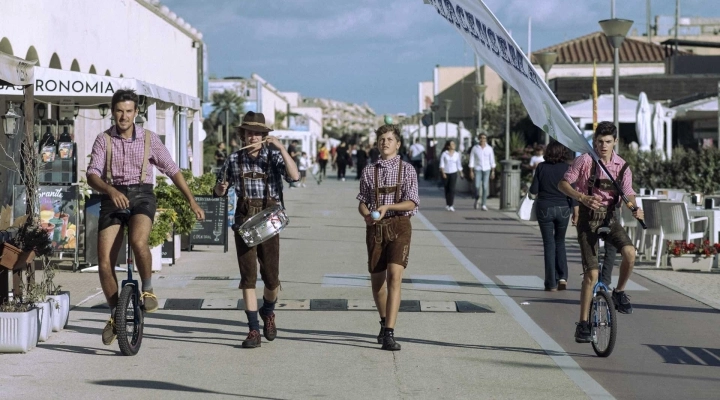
109	334
269	328
562	284
252	341
150	301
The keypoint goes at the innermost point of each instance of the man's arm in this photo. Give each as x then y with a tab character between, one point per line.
180	183
592	202
291	169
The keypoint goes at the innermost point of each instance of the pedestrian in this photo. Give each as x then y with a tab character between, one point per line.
342	158
553	209
537	157
390	188
450	168
303	165
599	200
416	153
482	170
234	146
374	154
256	174
295	155
362	160
220	155
323	157
119	170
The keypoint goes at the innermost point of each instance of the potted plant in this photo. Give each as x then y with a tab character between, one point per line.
35	294
31	240
60	300
18	326
689	256
161	230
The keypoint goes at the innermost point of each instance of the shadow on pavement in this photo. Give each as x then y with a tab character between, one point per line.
686	355
158	385
638	306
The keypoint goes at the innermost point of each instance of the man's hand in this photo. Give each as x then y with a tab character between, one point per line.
472	174
575	216
118	199
221	188
492	174
592	202
443	175
382	210
639	214
199	213
369	221
274	141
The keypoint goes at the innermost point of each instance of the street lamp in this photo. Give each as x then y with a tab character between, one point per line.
11	122
546	61
41	111
448	103
616	29
479	89
103	109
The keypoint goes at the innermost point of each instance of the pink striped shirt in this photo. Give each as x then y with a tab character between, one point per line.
579	174
127	157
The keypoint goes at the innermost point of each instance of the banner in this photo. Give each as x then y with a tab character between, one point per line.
16	71
492	43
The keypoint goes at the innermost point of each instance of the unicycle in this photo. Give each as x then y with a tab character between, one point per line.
602	319
129	313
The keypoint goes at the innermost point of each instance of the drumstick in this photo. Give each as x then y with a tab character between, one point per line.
254	144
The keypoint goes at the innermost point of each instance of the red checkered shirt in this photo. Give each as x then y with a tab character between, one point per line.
388	176
127	157
579	174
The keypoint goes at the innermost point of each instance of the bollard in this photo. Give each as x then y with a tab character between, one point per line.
510	191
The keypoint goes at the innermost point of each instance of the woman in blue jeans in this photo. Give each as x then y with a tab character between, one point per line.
553	210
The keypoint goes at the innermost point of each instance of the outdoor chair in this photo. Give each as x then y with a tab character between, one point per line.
628	221
677	225
654	227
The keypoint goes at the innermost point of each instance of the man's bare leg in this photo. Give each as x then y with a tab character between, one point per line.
109	244
379	291
251	298
394	285
140	226
626	266
589	279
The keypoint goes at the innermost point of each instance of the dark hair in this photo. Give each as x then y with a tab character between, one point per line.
605	128
395	129
447	145
481	135
220	144
556	152
124	95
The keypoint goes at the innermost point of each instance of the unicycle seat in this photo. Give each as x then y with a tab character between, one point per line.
123	215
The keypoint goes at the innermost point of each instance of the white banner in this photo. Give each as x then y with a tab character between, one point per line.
492	43
16	71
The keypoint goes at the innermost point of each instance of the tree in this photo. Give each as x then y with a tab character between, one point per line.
494	119
227	110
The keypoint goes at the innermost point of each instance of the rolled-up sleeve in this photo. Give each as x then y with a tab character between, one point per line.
365	194
160	156
627	183
573	173
410	187
279	164
97	157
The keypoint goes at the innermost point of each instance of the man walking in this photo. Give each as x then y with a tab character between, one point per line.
482	169
599	201
257	173
416	153
119	170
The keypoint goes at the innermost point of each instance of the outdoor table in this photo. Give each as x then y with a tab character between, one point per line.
713	224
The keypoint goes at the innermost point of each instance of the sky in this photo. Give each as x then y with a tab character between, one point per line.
376	51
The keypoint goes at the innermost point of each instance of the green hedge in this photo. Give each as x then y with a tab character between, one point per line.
693	171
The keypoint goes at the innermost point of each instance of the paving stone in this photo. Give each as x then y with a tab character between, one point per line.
409	305
220	304
472	307
292	305
183	304
438	306
361	305
328	305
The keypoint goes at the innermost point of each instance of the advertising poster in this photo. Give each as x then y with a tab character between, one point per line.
58	213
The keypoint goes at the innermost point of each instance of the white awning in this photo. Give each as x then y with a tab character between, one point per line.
16	71
55	84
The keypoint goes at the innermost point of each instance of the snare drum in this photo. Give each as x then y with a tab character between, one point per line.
263	225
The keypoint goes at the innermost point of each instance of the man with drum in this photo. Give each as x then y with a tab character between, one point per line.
388	198
256	172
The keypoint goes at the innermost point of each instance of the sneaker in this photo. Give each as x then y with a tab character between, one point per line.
562	284
381	335
484	208
582	332
451	208
343	179
622	302
389	343
252	341
150	301
476	204
269	328
447	208
304	185
109	334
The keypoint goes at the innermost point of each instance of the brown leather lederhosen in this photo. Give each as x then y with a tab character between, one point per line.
267	252
590	220
388	241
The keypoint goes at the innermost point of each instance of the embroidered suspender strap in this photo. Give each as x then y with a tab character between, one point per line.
619	181
593	178
108	158
377	186
399	180
146	157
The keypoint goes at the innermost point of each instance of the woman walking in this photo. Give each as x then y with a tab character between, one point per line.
323	157
450	167
553	210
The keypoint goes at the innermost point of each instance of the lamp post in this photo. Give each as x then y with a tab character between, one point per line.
479	89
11	122
546	60
103	108
615	30
448	103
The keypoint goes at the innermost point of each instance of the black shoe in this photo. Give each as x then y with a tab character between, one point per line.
390	344
582	332
253	340
622	302
381	335
269	328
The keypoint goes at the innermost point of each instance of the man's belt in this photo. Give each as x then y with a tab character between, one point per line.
254	175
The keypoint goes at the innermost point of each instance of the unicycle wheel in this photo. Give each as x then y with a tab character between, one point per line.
129	320
603	321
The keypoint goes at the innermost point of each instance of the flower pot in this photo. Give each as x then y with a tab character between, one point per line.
46	317
18	331
176	242
14	258
691	262
156	259
61	310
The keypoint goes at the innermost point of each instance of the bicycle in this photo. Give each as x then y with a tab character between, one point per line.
602	319
129	312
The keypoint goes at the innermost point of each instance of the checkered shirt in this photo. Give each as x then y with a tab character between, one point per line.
388	176
579	174
127	157
267	161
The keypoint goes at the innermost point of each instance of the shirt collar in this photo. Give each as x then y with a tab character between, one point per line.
137	129
388	163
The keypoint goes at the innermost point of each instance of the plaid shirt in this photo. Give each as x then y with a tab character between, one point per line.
267	161
388	176
127	157
579	174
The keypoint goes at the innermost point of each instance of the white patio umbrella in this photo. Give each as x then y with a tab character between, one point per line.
643	122
658	127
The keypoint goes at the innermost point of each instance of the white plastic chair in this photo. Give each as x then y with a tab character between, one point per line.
677	225
628	221
654	226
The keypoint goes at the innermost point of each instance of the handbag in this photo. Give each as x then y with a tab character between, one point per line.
526	211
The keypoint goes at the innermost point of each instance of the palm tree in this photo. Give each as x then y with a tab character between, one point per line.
227	110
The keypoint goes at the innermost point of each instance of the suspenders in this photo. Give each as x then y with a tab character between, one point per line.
108	157
387	189
605	183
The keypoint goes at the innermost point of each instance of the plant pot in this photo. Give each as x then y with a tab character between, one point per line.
156	259
61	310
176	242
46	317
14	258
18	331
691	262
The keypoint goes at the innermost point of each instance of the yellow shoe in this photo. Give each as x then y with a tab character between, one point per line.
150	301
109	334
